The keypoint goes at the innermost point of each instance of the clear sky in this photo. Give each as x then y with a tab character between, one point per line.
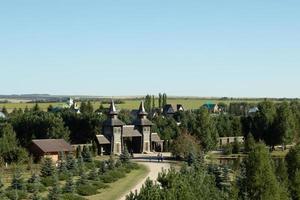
240	48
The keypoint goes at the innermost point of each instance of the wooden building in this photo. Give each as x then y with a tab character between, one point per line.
49	148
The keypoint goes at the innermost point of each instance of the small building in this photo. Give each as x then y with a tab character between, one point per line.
223	141
156	143
49	148
180	107
168	110
253	110
2	115
211	107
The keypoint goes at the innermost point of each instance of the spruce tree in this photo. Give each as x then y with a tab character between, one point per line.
125	156
71	163
54	192
69	186
86	154
47	168
17	180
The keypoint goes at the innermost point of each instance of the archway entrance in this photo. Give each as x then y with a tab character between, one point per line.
133	144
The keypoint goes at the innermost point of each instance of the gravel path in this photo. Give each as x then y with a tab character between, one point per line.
154	169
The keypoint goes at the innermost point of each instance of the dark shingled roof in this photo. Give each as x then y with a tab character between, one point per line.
168	109
113	122
143	122
53	145
155	137
130	131
102	139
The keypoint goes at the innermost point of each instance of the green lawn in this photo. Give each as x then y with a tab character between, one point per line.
120	187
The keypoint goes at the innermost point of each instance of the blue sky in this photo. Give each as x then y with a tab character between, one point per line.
133	47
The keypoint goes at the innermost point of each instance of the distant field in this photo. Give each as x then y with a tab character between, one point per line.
188	103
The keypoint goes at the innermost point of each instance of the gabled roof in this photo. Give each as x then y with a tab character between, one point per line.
131	131
155	137
52	145
168	109
102	139
209	106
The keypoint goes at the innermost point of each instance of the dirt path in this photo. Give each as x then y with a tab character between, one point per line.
154	169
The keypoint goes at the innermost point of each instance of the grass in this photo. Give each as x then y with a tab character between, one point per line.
120	187
188	103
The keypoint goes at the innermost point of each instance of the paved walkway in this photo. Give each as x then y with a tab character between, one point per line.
155	168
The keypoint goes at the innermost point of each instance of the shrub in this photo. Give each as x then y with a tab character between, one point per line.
70	196
48	181
69	186
63	176
17	181
227	150
16	194
98	184
86	190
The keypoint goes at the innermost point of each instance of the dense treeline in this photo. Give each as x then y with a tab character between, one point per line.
257	177
275	124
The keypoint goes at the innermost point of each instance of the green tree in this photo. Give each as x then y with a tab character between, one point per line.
83	107
148	103
71	163
284	127
69	186
50	108
206	130
47	168
293	166
160	104
125	156
264	122
38	125
55	191
17	182
185	146
164	99
10	151
86	154
36	108
249	143
259	180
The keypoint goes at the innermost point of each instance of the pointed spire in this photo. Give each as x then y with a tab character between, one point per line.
142	111
112	109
